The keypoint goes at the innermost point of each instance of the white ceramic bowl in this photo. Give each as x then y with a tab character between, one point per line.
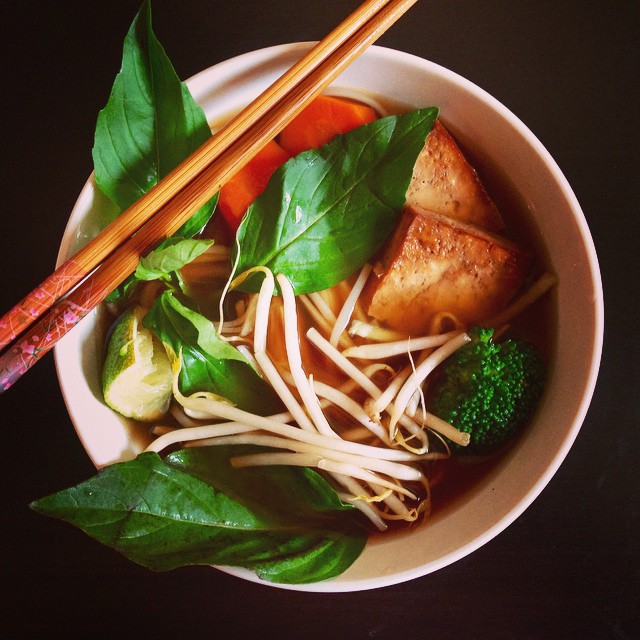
498	140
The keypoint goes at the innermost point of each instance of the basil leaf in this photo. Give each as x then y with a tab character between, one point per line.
327	211
274	496
209	362
163	517
329	557
171	256
150	124
291	498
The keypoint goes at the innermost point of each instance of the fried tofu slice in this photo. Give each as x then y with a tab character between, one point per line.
433	264
443	181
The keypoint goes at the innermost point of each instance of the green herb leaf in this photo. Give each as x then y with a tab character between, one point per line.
276	498
170	257
327	211
209	363
295	499
162	517
150	124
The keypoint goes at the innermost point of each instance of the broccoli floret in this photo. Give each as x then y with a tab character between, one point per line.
489	389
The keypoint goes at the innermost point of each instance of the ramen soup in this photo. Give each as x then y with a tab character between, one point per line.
346	373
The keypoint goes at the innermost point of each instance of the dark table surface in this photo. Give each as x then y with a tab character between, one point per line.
568	567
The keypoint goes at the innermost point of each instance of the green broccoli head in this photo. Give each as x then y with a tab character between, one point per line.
489	389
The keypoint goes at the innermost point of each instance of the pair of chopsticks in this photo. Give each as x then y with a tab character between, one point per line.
87	278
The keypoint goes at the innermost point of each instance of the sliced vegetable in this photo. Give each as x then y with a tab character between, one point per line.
246	185
136	376
321	120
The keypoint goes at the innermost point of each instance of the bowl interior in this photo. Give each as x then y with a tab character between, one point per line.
498	141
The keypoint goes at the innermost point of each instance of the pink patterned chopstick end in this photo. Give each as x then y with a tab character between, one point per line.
38	302
39	340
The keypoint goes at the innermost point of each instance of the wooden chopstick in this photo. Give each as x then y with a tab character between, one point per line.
74	270
107	261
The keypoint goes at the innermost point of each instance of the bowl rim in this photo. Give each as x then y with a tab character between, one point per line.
203	79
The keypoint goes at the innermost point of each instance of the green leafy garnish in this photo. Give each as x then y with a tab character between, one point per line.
209	363
174	254
327	211
163	515
150	124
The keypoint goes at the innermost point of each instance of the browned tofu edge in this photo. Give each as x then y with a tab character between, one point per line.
443	181
486	273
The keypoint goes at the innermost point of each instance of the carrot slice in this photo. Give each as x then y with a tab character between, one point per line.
237	194
321	120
